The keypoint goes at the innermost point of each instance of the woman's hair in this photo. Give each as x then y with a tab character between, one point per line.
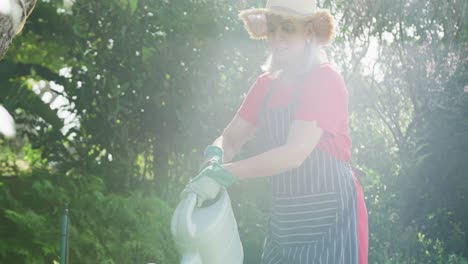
313	54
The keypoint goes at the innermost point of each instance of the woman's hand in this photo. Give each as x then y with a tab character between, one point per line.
205	188
209	181
212	154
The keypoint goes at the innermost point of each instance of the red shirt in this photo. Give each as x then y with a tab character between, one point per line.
324	98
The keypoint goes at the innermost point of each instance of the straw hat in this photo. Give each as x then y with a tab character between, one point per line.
320	20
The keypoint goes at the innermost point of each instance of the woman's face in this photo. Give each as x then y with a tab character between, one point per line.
287	39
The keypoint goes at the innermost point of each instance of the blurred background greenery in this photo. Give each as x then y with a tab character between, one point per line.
115	101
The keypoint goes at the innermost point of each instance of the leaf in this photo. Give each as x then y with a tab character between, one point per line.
133	6
13	216
123	4
147	53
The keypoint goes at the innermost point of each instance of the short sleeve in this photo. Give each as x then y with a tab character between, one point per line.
250	107
324	98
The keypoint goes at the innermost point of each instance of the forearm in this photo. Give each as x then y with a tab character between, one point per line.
229	149
269	163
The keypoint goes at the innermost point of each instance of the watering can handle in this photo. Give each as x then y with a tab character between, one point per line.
184	224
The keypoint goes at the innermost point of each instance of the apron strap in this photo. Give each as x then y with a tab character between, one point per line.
267	99
298	88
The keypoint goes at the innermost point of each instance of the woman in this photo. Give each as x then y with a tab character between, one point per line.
298	110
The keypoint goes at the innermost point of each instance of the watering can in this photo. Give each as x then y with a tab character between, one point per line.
207	235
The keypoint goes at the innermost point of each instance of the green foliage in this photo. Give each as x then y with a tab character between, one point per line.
105	227
122	229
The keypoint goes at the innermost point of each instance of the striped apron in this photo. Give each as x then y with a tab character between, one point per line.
313	212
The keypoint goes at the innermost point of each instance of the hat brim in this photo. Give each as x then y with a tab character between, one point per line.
255	22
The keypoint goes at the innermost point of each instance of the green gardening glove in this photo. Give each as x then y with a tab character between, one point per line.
209	181
212	153
216	172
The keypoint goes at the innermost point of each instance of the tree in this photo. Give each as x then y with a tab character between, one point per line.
146	85
13	15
